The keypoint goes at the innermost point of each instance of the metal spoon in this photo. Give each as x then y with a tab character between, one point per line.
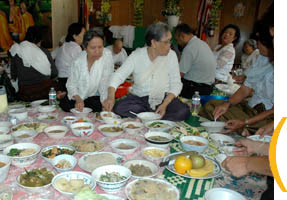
133	113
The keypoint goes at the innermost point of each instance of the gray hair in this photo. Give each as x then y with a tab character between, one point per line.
155	32
89	35
251	43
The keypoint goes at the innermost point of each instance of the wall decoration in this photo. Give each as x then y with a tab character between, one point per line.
138	14
16	16
239	9
104	16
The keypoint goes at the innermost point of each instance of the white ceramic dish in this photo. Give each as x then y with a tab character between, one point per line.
25	160
38	127
265	138
128	188
220	158
197	148
158	143
84	113
5	124
6	192
47	117
69	158
16	107
222	139
5	169
132	127
105	115
88	180
82	132
98	145
213	127
110	134
68	120
34	189
230	90
153	167
118	146
20	114
31	134
111	186
38	102
51	131
223	194
82	161
5	141
160	125
46	109
157	157
60	146
148	116
4	130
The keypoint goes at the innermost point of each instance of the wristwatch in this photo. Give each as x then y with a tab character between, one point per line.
246	123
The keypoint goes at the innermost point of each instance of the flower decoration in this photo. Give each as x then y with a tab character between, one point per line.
171	7
104	16
138	14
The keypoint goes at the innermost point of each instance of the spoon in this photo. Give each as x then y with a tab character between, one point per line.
133	113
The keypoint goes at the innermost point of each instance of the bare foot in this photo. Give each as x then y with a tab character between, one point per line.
61	94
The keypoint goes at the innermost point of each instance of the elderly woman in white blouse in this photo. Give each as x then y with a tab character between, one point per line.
224	52
156	79
87	84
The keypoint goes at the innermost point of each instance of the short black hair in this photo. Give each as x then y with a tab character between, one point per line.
33	34
237	33
183	28
89	35
74	29
155	32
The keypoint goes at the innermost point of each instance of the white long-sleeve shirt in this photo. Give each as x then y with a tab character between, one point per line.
66	54
137	63
87	83
120	57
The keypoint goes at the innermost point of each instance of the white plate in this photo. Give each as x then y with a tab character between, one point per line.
216	172
153	167
111	197
48	117
94	141
46	109
266	138
225	88
38	102
82	160
222	139
169	124
38	127
223	193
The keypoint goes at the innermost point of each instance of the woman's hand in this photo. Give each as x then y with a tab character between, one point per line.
108	104
245	147
268	129
79	105
233	125
220	110
237	165
161	110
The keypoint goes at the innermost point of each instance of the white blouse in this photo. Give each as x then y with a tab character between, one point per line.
137	63
120	57
248	60
225	59
87	83
66	54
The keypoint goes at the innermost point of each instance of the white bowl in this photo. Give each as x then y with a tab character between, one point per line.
5	141
159	125
222	139
5	169
111	186
38	102
46	109
4	130
116	146
16	107
148	116
29	133
108	116
5	124
220	158
25	160
71	159
47	117
6	192
20	114
110	134
129	130
68	120
88	180
213	127
223	194
38	189
153	167
60	146
197	148
158	157
84	113
156	143
265	138
113	121
169	186
51	131
77	131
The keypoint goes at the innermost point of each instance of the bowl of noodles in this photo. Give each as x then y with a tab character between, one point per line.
22	154
83	129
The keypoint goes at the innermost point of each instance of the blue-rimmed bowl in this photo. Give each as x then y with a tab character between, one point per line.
191	147
206	98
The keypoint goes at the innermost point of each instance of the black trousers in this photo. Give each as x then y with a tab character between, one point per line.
190	87
269	193
62	83
92	102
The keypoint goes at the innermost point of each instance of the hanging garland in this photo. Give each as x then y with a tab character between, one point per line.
104	16
138	14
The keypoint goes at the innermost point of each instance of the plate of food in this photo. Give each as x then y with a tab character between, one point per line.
179	131
87	145
38	127
91	161
202	166
47	117
228	89
159	125
50	152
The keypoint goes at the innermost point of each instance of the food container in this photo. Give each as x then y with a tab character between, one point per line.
213	127
156	139
132	127
124	146
69	158
153	167
19	114
116	130
5	169
200	143
24	135
4	130
85	112
223	193
56	132
83	129
148	116
159	125
154	153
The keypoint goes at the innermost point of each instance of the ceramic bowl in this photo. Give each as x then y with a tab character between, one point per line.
69	158
153	167
106	116
265	138
5	124
20	114
148	116
58	149
83	129
124	146
24	135
111	186
213	127
201	145
154	153
159	125
68	120
84	113
222	193
56	132
222	139
151	140
132	127
5	141
5	169
46	109
106	133
4	130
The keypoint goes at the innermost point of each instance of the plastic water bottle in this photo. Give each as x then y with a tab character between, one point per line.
52	97
195	103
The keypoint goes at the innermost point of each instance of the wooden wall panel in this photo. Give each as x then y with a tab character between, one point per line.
122	12
189	16
152	11
64	12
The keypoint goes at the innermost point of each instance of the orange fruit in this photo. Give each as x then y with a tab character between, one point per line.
182	164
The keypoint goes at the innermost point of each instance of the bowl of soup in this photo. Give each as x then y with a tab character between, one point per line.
24	135
82	129
111	130
194	143
5	162
56	132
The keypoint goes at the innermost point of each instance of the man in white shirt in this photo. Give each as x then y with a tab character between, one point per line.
118	52
156	79
197	63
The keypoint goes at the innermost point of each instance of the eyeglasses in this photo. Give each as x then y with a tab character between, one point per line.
166	42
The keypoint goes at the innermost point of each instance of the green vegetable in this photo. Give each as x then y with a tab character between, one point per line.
14	152
88	194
